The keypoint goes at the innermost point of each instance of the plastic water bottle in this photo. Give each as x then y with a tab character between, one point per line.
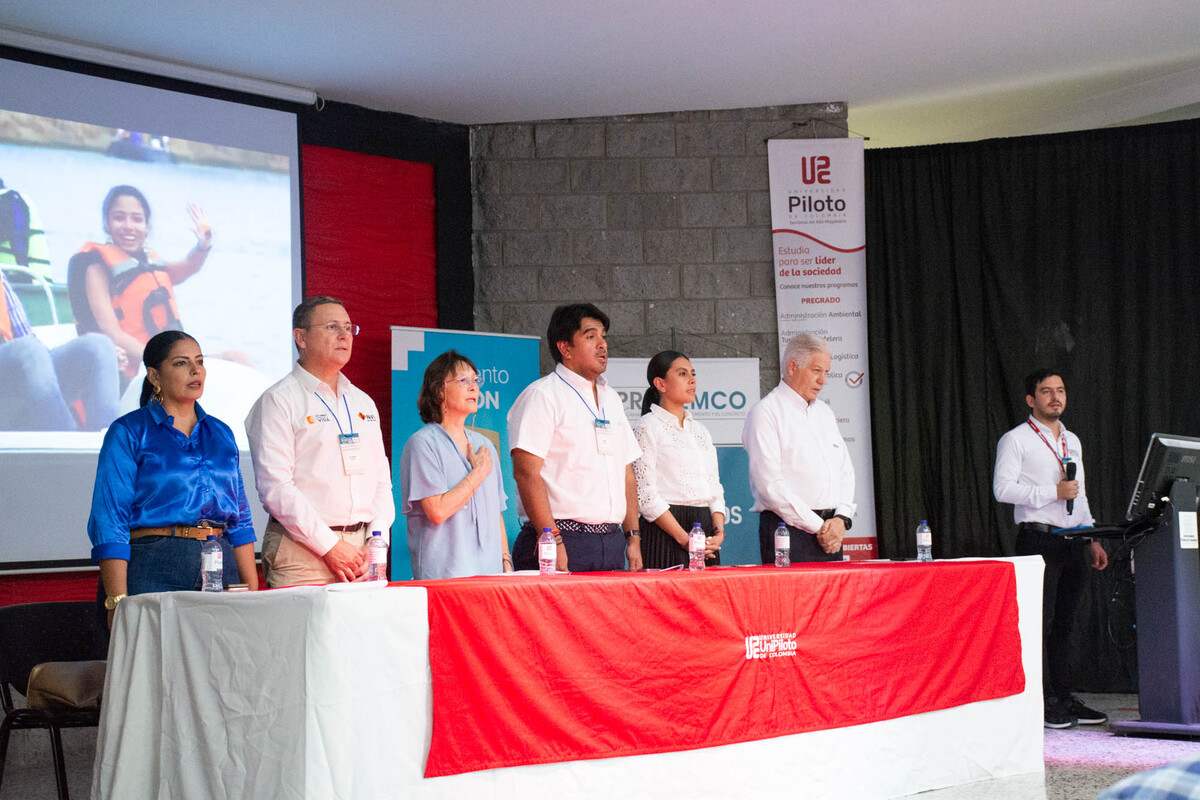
924	542
376	557
783	546
212	566
696	548
547	552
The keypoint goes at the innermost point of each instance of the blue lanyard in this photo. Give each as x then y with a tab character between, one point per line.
600	421
349	418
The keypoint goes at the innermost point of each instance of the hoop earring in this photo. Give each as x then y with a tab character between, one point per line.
158	395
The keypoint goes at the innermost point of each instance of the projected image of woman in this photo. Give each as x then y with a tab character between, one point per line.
121	288
677	481
167	477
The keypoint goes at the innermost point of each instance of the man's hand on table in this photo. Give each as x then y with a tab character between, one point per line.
633	551
830	535
346	561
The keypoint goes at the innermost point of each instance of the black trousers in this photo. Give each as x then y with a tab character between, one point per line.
660	551
1062	589
586	552
804	544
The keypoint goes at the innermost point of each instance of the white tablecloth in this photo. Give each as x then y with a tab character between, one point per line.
312	693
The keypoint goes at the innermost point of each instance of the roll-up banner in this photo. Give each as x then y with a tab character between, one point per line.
819	242
507	364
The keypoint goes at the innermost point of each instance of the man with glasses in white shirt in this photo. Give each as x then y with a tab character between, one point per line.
319	463
800	470
1032	464
573	454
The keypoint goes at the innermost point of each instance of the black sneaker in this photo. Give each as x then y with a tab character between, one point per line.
1084	715
1058	716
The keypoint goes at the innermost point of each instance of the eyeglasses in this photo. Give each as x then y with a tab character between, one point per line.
466	383
337	329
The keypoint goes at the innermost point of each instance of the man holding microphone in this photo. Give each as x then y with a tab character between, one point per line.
1039	469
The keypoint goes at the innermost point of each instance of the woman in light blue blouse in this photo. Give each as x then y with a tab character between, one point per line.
168	476
450	476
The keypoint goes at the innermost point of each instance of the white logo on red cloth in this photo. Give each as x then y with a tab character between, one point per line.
770	645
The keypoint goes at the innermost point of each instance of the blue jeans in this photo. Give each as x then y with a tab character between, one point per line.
72	387
165	564
171	564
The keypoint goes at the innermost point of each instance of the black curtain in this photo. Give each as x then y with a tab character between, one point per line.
985	260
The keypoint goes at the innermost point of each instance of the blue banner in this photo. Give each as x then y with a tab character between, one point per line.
507	364
741	526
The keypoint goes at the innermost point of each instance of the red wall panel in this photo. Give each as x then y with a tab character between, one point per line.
369	239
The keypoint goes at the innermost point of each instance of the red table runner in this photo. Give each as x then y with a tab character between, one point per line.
536	670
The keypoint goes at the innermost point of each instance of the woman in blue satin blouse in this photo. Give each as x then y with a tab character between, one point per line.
168	476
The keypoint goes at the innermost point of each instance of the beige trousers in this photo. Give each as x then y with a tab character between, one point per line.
289	563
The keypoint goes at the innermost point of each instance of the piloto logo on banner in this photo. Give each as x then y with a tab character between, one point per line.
770	645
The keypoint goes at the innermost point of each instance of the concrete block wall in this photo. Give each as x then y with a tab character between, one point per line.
662	220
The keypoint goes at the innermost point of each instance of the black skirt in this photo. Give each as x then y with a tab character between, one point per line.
660	551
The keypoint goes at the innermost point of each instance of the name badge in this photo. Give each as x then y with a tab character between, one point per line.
604	444
353	460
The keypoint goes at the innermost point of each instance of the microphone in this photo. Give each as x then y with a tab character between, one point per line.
1070	466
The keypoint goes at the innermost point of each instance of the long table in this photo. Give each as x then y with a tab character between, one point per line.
328	693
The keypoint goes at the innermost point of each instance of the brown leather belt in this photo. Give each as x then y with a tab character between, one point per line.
339	528
198	532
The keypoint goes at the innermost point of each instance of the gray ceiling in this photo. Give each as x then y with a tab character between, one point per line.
910	71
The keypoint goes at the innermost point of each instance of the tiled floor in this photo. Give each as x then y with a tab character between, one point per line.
1079	762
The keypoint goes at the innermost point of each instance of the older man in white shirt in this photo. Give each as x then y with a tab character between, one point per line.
319	463
1032	473
800	470
573	454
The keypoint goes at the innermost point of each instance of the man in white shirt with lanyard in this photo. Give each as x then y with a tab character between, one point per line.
573	454
319	463
800	470
1032	462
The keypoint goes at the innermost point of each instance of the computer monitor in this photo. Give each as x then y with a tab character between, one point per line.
1168	458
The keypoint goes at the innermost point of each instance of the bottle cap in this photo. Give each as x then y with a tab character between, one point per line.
375	533
924	522
211	538
545	530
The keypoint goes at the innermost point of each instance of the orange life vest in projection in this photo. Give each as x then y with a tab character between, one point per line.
6	328
143	296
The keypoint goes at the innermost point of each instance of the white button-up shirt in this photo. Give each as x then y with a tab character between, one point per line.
678	465
555	420
298	467
1028	471
798	459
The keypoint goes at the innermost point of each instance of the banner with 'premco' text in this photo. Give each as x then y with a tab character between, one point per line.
819	243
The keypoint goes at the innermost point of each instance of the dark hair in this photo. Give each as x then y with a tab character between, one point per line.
124	190
565	322
1037	376
433	387
658	367
302	314
157	350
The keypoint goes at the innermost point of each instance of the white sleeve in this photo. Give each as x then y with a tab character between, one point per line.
1083	511
645	471
716	503
383	507
273	452
845	504
1007	486
531	422
761	440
